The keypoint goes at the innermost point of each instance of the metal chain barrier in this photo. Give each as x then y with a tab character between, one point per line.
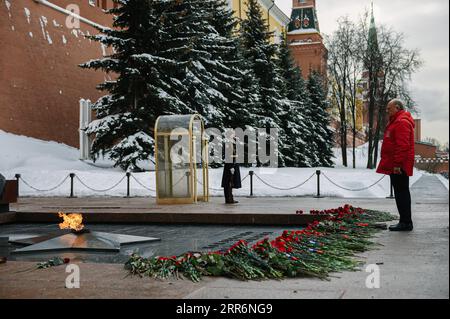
199	182
147	188
44	190
285	189
100	190
221	189
353	190
179	181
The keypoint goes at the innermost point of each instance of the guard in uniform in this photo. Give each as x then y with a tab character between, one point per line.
231	178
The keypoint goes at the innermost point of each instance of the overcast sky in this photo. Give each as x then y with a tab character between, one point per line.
426	27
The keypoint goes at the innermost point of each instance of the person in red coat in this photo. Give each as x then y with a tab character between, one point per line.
397	160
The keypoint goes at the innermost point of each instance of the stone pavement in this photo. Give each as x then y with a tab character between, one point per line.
412	265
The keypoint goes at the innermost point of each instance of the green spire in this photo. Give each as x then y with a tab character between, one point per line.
373	47
373	37
372	20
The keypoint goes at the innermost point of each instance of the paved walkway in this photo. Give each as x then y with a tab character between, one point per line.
412	265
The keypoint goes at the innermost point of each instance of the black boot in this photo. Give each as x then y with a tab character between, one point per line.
402	227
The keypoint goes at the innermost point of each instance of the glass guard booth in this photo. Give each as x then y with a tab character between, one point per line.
181	153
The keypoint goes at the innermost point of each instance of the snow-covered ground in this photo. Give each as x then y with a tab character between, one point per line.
443	180
44	165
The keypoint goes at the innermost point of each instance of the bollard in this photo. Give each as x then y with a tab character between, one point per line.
318	172
251	173
188	181
72	175
17	176
391	196
128	184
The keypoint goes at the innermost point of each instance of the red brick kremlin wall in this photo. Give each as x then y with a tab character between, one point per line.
310	56
40	81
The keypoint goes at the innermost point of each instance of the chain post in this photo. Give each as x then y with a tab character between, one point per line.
318	172
17	176
128	184
251	173
72	176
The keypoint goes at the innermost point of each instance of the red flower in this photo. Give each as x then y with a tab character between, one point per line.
279	244
362	224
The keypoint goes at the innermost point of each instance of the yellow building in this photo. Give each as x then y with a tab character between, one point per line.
277	20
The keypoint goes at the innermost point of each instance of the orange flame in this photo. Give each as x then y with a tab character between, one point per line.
71	221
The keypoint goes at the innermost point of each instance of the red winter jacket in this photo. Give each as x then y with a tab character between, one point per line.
398	145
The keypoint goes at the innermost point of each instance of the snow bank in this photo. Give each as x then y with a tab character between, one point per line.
44	165
443	180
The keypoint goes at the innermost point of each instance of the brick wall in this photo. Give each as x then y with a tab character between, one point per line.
310	57
40	81
425	150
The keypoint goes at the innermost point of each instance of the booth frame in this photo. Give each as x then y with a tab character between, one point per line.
193	178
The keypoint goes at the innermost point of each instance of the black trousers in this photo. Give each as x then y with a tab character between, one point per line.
228	190
400	184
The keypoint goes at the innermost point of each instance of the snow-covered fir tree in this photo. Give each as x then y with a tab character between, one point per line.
236	73
141	90
260	54
323	134
190	39
184	57
294	121
242	93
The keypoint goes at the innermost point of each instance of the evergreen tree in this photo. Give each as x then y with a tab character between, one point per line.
323	135
190	39
125	116
241	91
241	88
294	121
260	54
229	69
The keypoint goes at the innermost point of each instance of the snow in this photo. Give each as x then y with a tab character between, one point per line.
8	7
303	31
27	14
45	164
103	49
303	43
64	40
43	24
361	156
48	38
30	34
443	180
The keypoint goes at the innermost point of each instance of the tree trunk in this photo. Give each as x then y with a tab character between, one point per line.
380	128
354	146
372	104
371	115
344	127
